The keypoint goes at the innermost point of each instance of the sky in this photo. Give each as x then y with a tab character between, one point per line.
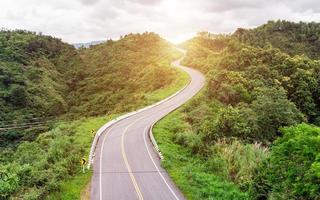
76	21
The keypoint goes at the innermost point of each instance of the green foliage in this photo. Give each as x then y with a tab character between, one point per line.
118	74
258	81
190	171
236	161
283	112
58	153
34	73
292	170
292	38
41	77
43	80
260	90
199	49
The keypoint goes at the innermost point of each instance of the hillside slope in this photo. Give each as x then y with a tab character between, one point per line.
262	87
35	76
116	75
289	37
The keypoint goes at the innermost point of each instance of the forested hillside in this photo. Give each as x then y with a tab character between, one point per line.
53	96
289	37
36	73
116	75
254	127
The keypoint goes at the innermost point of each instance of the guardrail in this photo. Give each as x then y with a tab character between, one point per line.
112	122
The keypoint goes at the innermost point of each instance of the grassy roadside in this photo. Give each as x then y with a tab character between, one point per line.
181	80
187	169
72	188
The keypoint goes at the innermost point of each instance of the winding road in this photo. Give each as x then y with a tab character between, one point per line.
126	166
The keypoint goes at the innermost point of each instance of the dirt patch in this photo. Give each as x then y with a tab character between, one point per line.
85	193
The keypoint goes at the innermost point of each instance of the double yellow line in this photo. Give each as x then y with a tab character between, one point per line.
136	187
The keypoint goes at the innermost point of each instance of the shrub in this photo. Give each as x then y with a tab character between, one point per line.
236	161
292	171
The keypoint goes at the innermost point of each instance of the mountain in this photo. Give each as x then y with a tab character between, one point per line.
87	44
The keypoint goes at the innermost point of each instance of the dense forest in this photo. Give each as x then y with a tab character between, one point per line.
52	96
35	77
292	38
254	125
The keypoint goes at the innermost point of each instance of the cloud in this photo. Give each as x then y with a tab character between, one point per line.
87	20
148	2
89	2
227	5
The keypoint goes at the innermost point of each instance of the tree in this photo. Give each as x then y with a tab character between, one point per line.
293	169
18	95
275	111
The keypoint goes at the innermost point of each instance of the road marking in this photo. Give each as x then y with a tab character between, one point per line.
136	187
104	138
125	160
164	180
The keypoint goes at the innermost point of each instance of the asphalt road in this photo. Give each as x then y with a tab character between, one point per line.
126	166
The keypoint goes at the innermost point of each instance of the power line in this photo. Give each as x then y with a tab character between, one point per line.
18	127
31	123
27	119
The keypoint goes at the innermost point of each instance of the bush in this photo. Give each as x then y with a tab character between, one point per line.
8	183
293	169
236	161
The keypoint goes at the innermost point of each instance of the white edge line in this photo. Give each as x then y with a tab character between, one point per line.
100	175
164	180
154	142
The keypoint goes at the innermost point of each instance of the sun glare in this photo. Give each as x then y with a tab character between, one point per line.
178	15
177	39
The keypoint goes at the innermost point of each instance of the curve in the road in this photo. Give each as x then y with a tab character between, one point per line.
125	166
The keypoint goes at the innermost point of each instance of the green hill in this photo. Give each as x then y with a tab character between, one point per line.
116	75
35	78
292	38
258	82
43	78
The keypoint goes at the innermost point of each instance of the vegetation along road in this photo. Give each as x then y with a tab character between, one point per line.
125	163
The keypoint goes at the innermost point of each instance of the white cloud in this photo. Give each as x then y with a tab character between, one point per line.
87	20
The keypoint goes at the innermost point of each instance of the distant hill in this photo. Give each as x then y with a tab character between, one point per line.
87	44
292	38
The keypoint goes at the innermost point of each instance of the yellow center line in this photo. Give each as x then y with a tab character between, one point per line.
136	187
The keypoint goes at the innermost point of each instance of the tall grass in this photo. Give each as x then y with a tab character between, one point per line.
190	171
236	161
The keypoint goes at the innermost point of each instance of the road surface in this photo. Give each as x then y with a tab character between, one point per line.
126	166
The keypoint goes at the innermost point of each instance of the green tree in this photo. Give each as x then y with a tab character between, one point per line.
293	169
